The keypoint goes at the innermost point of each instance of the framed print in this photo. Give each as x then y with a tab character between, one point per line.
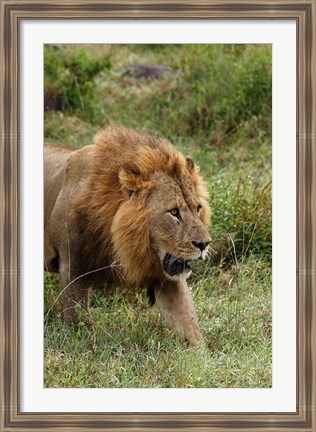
221	81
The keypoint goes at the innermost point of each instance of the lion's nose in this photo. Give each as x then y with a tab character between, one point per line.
201	245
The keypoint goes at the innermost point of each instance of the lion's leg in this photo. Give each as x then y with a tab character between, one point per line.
175	303
75	298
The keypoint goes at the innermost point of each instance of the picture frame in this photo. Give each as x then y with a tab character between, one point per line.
12	12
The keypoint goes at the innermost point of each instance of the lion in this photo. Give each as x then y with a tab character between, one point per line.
127	210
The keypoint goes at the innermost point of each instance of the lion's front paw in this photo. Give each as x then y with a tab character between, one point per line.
193	333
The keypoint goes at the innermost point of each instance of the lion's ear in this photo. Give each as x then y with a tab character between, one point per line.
131	180
190	165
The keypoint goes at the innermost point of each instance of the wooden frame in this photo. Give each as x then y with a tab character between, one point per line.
304	13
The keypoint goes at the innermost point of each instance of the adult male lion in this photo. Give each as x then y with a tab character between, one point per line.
130	205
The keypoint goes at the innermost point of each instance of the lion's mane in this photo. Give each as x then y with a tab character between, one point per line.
111	226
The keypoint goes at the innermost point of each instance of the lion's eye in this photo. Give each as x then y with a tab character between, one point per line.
175	212
199	208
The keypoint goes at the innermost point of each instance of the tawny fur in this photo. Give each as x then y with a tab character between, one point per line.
101	210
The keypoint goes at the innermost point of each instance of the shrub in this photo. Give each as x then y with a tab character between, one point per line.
241	220
69	77
227	86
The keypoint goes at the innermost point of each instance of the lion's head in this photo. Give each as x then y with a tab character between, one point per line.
160	224
178	233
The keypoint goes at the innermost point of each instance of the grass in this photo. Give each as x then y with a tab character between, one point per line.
214	104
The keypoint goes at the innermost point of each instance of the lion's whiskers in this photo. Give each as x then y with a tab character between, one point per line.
114	266
116	270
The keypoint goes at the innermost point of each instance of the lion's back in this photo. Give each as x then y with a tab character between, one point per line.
55	162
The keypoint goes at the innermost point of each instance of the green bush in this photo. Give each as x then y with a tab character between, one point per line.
214	89
70	75
241	220
227	86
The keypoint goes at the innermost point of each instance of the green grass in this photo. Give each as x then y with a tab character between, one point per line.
215	106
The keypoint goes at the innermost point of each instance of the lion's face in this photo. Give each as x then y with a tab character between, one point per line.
160	225
177	232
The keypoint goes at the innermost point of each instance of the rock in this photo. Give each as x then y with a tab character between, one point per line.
146	71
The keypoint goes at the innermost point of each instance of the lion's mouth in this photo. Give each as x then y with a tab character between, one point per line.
174	265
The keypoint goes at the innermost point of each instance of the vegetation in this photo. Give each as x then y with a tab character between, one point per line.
214	104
